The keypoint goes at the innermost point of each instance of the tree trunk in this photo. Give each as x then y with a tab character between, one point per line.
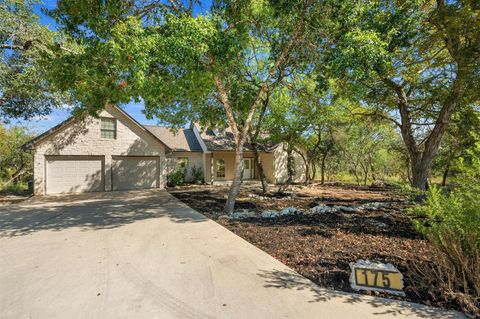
420	169
408	170
365	171
305	162
253	141
322	169
237	180
290	170
445	175
290	167
313	167
241	133
259	165
355	172
372	169
422	161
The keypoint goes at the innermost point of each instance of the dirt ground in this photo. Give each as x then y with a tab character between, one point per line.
321	246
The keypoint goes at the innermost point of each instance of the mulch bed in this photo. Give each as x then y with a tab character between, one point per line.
320	247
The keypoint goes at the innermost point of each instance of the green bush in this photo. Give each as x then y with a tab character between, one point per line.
176	177
451	222
197	175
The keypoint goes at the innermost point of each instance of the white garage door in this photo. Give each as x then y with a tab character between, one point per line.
71	174
137	172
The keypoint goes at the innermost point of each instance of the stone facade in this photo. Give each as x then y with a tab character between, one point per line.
83	138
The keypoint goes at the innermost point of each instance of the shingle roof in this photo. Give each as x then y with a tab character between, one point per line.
225	141
183	140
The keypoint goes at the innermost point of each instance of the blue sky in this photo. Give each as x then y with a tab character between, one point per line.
41	124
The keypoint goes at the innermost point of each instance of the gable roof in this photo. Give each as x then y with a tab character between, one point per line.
183	140
30	144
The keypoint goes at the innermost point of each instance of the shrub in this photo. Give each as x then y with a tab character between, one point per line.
451	222
176	177
197	175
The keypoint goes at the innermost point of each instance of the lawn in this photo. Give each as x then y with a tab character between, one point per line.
321	246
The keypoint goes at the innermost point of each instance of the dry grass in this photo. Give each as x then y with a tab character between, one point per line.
453	276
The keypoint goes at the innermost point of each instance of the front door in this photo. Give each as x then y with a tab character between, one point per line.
247	168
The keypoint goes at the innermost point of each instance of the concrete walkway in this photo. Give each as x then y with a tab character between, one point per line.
144	254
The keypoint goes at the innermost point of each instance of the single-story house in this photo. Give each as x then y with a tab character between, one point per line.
115	152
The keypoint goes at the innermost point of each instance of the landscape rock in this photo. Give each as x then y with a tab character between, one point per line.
269	214
244	213
289	211
320	209
376	223
350	209
375	205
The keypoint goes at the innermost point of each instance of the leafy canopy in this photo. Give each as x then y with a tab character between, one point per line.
25	48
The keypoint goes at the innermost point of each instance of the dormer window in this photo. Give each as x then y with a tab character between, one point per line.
219	132
108	128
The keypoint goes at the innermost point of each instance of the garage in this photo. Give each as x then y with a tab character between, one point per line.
73	174
135	172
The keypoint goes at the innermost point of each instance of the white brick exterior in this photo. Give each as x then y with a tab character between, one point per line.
81	138
194	159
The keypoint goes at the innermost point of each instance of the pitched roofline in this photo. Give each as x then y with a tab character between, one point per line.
141	126
30	144
204	147
176	149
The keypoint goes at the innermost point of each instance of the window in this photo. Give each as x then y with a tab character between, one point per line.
246	163
182	163
108	128
220	166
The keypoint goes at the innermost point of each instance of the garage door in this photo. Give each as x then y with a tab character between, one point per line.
130	172
71	174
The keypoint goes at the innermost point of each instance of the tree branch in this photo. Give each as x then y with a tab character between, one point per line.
11	47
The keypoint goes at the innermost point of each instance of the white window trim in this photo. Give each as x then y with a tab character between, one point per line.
115	130
224	168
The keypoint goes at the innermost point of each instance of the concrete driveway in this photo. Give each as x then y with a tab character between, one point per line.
144	254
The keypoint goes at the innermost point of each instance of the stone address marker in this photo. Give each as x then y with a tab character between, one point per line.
367	275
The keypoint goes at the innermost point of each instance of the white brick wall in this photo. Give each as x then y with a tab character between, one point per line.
194	159
83	138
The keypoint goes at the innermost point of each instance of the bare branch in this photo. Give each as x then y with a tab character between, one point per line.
11	47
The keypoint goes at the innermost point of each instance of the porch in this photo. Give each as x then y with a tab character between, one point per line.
220	166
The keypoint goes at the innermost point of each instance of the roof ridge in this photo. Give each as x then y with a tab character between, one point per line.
164	126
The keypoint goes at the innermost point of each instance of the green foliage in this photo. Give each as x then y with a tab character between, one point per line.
16	165
25	49
196	175
177	177
413	62
20	188
451	222
460	141
457	210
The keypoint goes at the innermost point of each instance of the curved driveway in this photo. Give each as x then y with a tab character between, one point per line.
144	254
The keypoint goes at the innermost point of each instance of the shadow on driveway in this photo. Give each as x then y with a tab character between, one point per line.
386	307
92	211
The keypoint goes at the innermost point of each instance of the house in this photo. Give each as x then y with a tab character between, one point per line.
115	152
